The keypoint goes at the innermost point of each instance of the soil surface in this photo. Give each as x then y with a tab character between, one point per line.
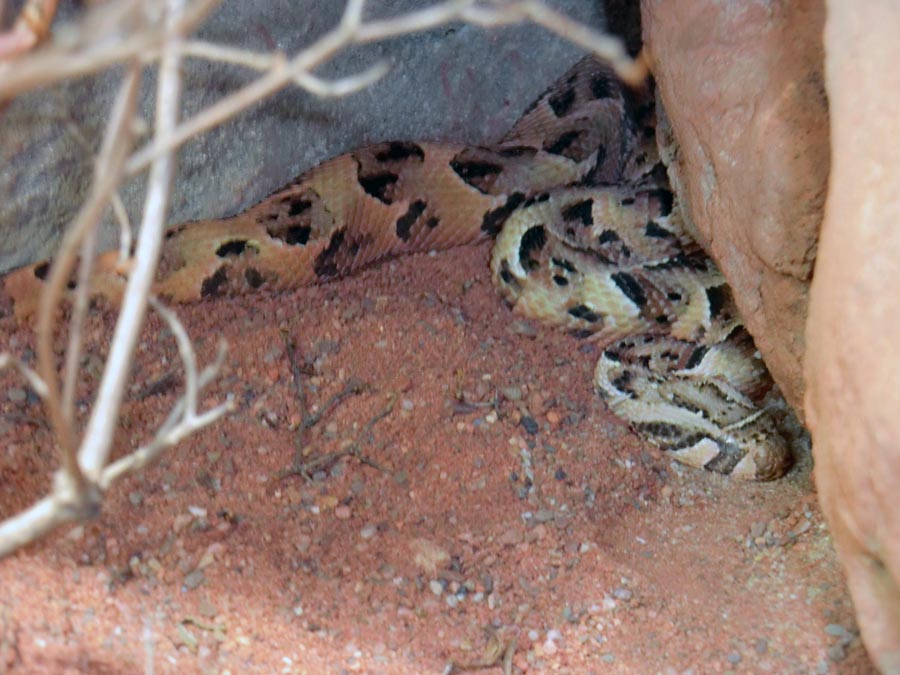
467	500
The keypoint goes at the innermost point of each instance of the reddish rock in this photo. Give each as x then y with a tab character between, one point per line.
853	362
742	85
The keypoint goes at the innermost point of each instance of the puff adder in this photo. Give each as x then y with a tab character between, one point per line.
587	236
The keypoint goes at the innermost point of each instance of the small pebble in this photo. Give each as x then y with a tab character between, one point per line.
342	512
837	652
622	594
530	425
523	327
488	582
734	658
510	538
16	394
194	579
368	531
407	405
511	393
835	629
436	587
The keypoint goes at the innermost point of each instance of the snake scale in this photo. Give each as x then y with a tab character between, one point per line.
588	236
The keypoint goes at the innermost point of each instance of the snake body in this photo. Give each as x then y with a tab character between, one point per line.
588	236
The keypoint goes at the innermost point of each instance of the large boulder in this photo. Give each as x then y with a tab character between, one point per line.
853	358
742	85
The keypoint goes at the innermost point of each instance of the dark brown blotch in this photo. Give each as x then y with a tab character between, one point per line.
233	248
536	199
494	219
505	274
325	265
696	357
653	229
717	296
517	151
630	287
296	205
532	241
623	382
41	270
565	264
580	211
602	86
254	278
408	219
608	237
400	150
174	230
294	235
598	173
562	143
212	285
561	102
665	198
477	173
377	185
584	313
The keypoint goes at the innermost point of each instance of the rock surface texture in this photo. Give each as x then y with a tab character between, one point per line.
853	362
742	85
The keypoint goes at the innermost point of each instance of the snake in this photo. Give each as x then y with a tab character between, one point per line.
587	233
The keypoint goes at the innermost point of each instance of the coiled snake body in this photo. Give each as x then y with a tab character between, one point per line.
588	236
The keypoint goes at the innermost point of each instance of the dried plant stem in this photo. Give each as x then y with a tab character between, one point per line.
115	149
100	428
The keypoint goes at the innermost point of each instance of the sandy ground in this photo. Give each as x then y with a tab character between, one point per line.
480	505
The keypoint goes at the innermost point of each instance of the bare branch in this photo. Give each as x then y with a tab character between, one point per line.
257	61
115	148
99	433
107	36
